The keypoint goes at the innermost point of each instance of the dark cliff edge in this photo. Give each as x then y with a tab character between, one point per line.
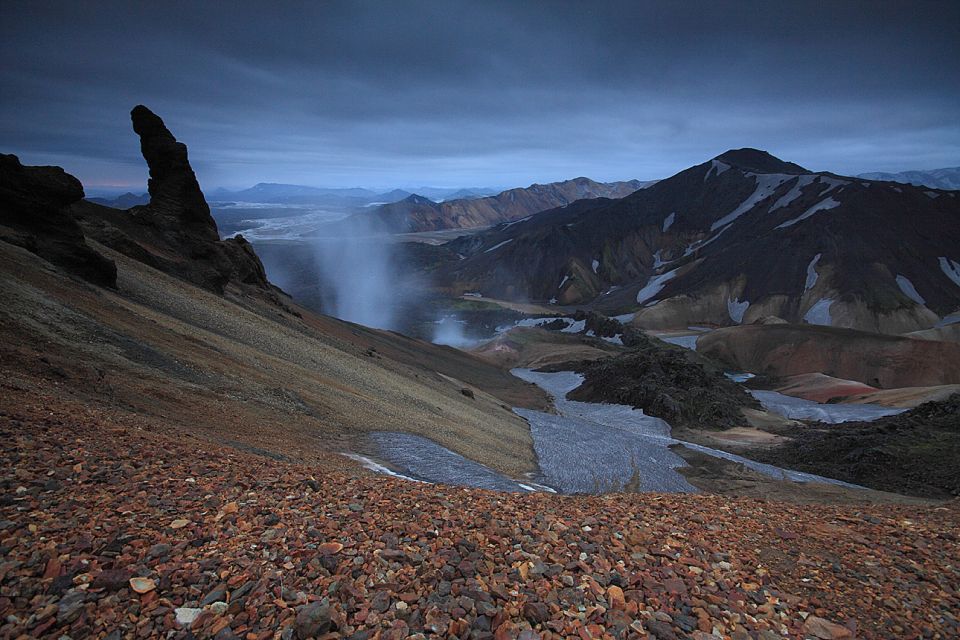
34	214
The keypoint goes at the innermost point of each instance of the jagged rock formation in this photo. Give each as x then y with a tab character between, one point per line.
417	213
33	215
740	237
175	231
176	201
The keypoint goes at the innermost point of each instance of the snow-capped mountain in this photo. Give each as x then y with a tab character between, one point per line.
737	238
946	178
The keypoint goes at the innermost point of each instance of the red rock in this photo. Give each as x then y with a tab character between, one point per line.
615	597
111	579
330	548
824	629
675	586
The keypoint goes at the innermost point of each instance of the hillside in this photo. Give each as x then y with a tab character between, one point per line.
184	331
879	360
740	237
417	213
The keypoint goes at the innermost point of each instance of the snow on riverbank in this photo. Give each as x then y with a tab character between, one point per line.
802	409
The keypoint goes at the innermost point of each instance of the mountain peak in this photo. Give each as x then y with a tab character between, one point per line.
414	198
758	161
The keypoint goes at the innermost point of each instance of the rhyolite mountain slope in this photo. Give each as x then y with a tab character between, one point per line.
946	178
417	213
739	237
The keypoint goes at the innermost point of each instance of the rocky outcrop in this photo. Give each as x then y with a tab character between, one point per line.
668	382
914	452
33	215
176	202
175	231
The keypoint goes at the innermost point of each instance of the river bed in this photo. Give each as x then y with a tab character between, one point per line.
585	448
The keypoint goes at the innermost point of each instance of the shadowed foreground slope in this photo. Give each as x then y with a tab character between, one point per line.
244	546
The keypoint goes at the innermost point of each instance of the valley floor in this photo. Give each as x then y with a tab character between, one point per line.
238	545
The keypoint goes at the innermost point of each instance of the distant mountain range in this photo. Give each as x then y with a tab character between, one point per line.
418	213
287	194
123	201
738	238
947	178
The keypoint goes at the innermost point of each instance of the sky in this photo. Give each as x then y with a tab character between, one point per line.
488	94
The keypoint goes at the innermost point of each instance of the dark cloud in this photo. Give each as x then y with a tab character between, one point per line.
480	93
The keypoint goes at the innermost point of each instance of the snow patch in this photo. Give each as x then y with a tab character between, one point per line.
716	168
952	318
951	268
563	282
377	467
687	342
536	322
767	183
595	264
654	285
498	245
909	290
700	244
812	274
801	409
624	318
736	309
794	193
507	225
932	194
575	327
823	205
668	221
819	313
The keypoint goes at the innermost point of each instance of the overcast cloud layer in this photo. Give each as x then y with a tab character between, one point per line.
479	93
